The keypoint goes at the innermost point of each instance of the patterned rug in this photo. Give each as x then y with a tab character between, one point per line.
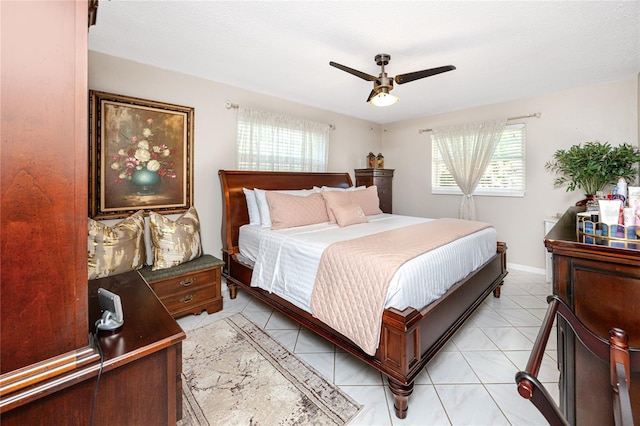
236	374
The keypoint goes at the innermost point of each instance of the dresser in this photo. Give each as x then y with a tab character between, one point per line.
381	178
601	285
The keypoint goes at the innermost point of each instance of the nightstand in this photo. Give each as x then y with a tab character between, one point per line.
382	179
188	288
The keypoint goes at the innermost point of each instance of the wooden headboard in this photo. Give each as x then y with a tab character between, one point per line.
235	212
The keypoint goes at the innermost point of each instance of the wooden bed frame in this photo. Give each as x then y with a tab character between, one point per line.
409	338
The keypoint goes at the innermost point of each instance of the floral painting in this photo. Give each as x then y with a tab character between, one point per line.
141	154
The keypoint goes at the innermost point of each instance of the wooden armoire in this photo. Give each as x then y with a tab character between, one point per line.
48	362
44	182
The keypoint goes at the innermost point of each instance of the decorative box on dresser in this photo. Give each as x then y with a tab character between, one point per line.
601	285
382	179
188	288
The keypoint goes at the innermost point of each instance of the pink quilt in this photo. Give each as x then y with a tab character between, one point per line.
353	275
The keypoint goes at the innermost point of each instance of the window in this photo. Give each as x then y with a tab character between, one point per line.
268	141
505	175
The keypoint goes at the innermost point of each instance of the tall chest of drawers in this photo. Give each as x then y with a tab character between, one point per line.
381	178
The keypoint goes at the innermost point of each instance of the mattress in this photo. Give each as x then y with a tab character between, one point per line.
285	261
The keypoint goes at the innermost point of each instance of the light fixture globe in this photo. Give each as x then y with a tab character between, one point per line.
383	99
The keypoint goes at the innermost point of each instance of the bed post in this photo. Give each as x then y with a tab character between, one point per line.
502	251
401	394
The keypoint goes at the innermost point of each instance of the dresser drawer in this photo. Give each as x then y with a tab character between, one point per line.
188	299
382	184
182	283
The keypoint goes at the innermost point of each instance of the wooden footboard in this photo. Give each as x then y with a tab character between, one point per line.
409	338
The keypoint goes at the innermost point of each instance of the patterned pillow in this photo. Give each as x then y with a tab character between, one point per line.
116	249
174	242
288	211
349	215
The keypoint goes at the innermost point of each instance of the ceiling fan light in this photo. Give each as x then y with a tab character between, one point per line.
383	99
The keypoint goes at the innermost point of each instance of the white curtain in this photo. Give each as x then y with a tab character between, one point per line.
466	150
271	141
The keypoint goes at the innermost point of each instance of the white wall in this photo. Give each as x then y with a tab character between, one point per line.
606	112
215	127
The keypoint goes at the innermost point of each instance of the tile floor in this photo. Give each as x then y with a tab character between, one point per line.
470	382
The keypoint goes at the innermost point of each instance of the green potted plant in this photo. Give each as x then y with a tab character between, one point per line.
593	165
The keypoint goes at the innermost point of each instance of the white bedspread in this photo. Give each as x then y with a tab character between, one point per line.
286	260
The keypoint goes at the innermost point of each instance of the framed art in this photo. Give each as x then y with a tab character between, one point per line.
140	156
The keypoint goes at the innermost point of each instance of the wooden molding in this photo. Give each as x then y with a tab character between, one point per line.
33	374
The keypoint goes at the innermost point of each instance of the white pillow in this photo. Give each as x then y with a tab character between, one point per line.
337	188
263	205
252	206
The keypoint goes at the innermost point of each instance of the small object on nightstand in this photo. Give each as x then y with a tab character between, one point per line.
380	161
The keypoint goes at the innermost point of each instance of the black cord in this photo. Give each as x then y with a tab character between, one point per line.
95	391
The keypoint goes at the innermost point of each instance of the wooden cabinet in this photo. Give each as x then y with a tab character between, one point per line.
382	178
189	288
141	379
48	364
43	185
602	286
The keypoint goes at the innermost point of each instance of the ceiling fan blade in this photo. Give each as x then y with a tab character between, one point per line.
372	94
406	78
357	73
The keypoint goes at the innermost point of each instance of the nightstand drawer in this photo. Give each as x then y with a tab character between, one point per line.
185	283
188	299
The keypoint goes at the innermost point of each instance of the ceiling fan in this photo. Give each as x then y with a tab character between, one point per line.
383	84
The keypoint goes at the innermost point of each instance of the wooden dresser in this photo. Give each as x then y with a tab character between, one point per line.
602	286
382	178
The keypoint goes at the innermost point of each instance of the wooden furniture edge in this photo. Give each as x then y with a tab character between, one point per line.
45	370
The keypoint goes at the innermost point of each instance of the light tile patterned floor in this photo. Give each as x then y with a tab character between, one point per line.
470	382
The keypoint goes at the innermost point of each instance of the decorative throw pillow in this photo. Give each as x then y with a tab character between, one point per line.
252	206
335	199
288	211
367	199
174	242
349	215
263	205
115	249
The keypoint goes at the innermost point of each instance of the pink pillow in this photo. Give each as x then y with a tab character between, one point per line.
288	211
367	199
335	199
349	215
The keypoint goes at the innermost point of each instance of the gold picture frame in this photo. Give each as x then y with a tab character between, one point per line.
140	156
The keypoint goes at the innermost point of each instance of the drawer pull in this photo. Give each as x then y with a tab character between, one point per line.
187	282
188	298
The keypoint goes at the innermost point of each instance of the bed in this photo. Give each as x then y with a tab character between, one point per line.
408	337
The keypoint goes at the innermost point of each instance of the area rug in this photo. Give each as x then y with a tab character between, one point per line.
236	374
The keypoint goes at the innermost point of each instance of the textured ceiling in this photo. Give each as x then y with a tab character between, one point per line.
503	50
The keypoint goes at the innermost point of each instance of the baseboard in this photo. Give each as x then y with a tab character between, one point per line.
525	268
